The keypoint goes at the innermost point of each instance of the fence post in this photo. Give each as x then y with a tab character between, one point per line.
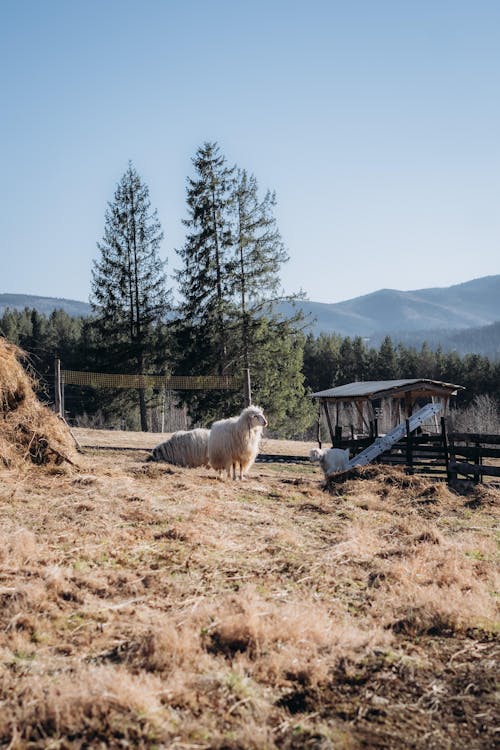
247	387
445	447
478	460
57	387
409	448
318	425
338	435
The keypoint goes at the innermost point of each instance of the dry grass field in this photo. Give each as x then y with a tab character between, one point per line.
148	606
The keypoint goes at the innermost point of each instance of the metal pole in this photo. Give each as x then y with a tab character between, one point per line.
163	411
247	387
57	386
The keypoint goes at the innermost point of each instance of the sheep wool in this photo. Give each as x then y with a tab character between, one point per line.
331	460
234	442
184	448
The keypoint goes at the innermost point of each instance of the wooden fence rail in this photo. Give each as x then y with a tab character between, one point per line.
445	456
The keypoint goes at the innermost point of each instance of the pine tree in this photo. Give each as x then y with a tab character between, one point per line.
258	255
129	295
387	361
278	379
230	286
203	279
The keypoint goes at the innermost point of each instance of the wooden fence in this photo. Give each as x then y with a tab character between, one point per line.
445	456
468	451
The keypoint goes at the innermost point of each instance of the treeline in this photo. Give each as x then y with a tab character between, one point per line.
322	362
279	386
330	359
484	340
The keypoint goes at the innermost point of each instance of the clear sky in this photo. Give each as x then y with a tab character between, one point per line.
376	122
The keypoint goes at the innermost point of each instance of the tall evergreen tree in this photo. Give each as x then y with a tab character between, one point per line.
230	284
204	277
258	255
387	361
129	294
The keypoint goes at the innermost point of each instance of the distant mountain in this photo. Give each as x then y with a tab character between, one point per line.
44	305
457	316
471	304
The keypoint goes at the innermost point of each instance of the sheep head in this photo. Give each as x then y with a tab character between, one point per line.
316	455
254	417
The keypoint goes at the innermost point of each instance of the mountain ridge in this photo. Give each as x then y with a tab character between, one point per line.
471	304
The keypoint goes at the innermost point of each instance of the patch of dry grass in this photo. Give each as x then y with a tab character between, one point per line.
150	606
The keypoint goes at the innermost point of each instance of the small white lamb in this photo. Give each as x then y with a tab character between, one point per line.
331	460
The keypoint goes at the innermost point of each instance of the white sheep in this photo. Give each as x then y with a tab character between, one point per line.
235	442
184	448
331	460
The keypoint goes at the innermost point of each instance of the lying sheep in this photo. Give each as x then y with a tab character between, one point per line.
235	442
184	448
331	460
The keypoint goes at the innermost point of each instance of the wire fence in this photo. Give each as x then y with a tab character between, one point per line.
171	383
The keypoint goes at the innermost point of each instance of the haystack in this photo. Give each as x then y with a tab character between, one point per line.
29	431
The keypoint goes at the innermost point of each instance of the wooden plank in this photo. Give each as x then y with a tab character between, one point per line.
470	451
463	467
475	437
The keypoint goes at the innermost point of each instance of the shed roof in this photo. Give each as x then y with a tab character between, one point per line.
371	389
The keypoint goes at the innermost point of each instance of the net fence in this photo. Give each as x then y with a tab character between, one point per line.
172	382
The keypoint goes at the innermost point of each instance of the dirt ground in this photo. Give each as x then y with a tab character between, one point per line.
148	606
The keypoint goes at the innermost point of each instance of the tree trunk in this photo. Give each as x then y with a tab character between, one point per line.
143	410
142	397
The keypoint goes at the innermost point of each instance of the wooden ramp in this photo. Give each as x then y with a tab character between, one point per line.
382	444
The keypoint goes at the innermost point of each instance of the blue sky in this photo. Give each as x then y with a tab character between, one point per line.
377	123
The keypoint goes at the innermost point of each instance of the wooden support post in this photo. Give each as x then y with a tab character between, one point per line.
329	421
247	388
63	406
318	425
445	447
478	460
338	436
362	421
452	472
57	387
409	448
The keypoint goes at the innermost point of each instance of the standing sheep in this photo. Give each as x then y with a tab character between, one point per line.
235	442
184	448
331	460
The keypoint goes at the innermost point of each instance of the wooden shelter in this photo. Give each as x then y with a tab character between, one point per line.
399	397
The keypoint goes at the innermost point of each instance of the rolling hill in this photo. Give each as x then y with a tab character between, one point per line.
44	305
473	304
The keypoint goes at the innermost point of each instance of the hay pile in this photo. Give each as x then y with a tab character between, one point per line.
29	431
392	482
